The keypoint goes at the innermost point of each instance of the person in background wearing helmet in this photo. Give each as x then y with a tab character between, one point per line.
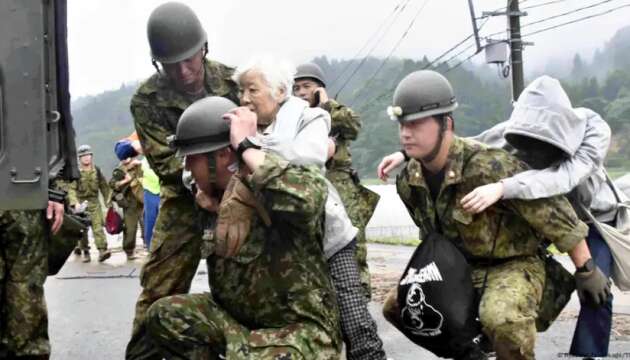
272	298
500	243
87	189
127	192
179	47
359	201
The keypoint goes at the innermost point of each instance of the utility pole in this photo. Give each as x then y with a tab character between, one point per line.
473	17
516	46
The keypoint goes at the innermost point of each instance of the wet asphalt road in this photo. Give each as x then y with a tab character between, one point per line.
91	308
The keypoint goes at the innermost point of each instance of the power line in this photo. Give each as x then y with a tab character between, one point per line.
542	4
461	62
551	28
459	53
567	13
558	15
578	20
372	37
404	6
487	18
447	51
503	8
402	37
455	47
441	55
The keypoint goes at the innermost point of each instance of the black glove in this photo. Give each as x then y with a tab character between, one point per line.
593	287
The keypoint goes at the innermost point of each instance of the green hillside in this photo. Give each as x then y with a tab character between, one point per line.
484	99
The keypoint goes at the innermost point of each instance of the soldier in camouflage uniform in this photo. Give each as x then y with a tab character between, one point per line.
86	189
359	201
178	42
23	270
273	298
127	192
501	242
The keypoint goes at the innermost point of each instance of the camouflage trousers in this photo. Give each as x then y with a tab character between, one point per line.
508	306
359	203
23	270
96	216
132	216
170	267
195	327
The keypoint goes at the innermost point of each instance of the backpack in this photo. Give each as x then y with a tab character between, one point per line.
437	300
438	304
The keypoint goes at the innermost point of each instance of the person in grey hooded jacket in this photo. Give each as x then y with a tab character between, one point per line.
565	148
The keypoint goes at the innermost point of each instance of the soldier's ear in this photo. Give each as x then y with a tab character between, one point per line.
450	123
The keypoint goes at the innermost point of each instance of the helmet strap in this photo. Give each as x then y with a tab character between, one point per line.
212	166
155	65
438	145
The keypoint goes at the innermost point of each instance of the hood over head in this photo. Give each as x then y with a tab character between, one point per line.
544	112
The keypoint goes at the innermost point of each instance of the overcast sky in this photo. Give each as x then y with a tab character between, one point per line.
108	46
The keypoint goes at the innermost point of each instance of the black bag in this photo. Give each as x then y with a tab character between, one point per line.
559	285
437	300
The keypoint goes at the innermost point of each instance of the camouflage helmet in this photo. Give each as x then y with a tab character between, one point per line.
84	150
201	127
421	94
310	70
174	33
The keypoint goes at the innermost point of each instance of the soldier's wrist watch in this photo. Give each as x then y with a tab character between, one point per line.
250	142
588	266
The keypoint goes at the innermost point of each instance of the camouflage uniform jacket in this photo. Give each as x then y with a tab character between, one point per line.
69	189
280	276
156	107
345	128
518	225
89	184
131	191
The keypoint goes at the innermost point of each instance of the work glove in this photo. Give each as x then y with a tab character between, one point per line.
236	211
593	287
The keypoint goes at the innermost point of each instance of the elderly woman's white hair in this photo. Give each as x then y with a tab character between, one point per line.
277	74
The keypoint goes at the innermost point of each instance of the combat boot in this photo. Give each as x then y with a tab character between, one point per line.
86	256
103	254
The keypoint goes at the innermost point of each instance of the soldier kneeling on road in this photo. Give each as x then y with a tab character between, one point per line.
272	297
501	244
